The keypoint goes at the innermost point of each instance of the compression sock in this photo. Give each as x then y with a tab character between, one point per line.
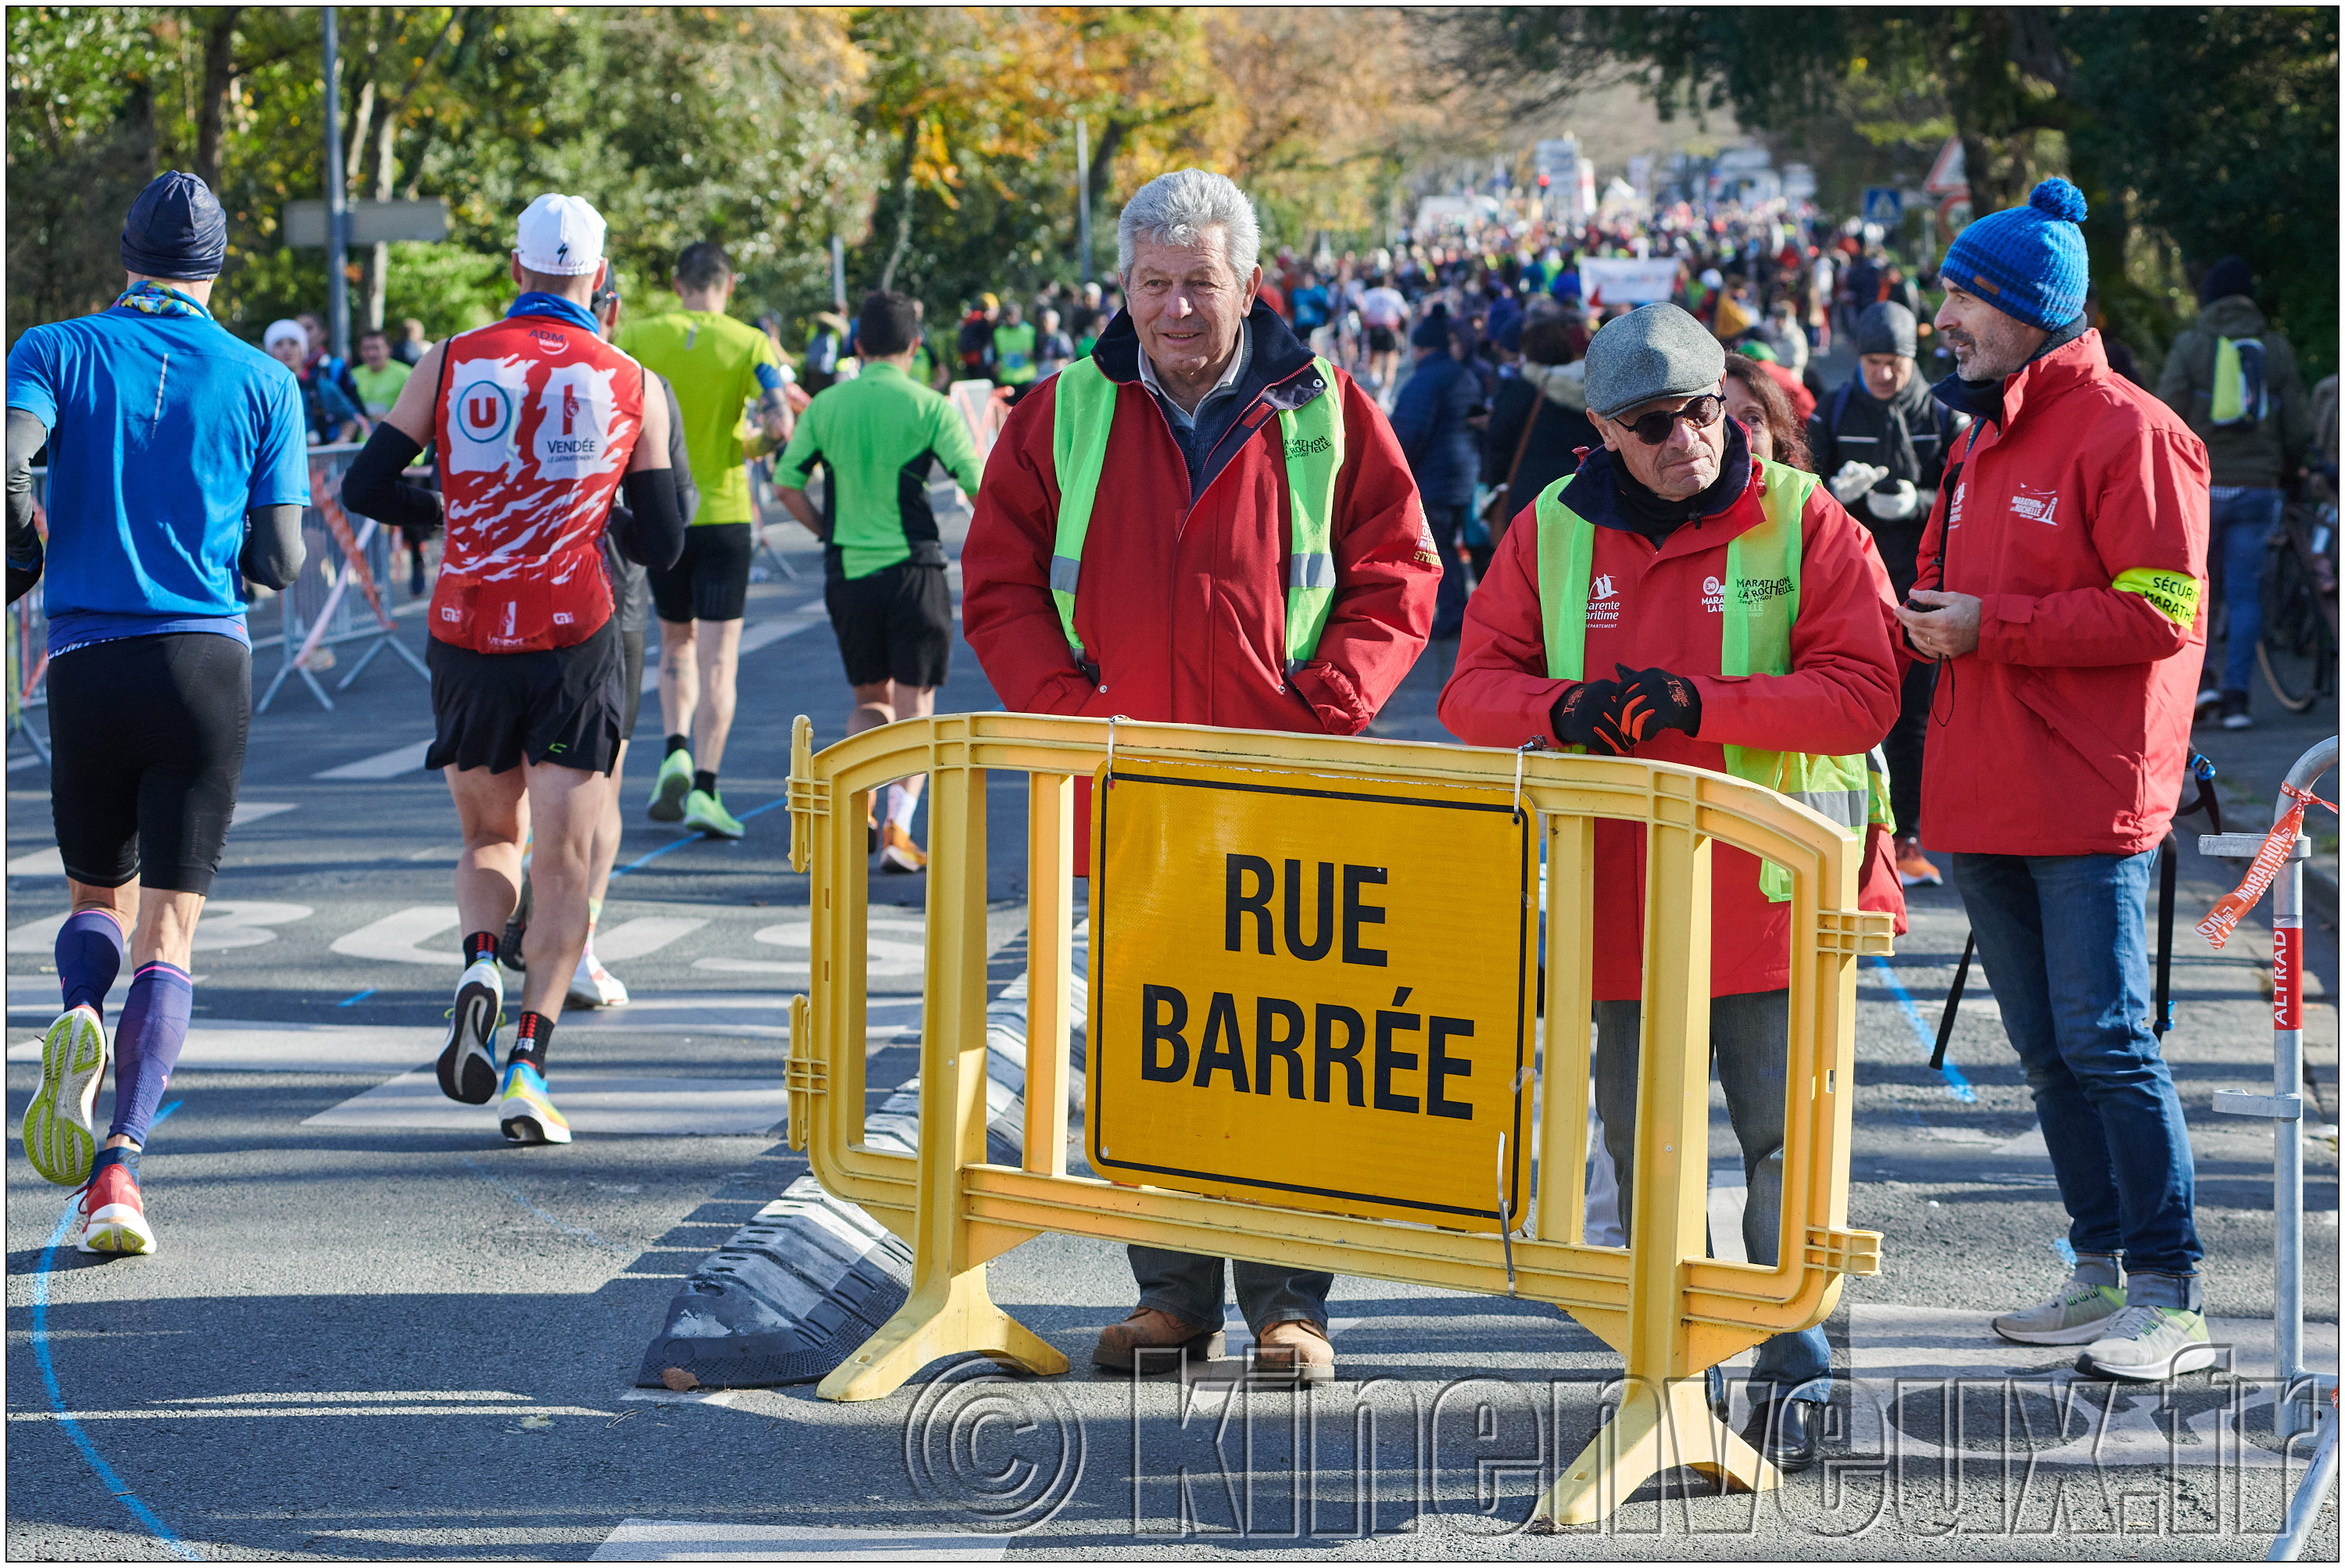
704	780
531	1036
593	916
903	799
89	955
146	1045
677	743
480	944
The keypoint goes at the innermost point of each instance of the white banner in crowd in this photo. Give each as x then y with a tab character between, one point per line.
1624	280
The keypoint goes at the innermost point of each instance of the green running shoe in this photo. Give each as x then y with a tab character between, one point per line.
706	813
2150	1345
2077	1316
669	787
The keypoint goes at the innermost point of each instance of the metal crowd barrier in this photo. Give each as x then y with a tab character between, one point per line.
1663	1303
344	592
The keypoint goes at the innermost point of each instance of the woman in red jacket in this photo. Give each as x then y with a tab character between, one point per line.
1673	487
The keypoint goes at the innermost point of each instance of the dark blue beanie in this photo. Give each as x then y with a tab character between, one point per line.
176	230
2026	262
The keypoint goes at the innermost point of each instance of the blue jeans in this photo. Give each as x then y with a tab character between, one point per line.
2063	938
2240	521
1188	1284
1749	1041
1447	522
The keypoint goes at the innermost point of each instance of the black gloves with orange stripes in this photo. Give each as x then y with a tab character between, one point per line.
1610	717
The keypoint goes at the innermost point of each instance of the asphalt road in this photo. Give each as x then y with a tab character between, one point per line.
371	1335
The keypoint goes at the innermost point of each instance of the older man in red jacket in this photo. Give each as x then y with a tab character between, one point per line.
1747	619
1200	523
2059	584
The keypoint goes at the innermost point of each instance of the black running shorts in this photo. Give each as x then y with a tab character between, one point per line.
148	736
710	581
631	654
894	625
562	706
1383	341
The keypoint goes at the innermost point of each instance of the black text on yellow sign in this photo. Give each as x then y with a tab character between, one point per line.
1312	992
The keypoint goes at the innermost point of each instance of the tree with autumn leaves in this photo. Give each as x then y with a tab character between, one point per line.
938	145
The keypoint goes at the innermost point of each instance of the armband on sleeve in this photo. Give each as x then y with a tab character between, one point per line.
2175	594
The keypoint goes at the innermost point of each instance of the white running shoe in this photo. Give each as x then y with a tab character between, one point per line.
60	1140
594	986
2151	1344
468	1063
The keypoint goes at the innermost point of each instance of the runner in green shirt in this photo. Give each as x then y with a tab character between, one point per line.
378	375
1013	349
884	564
719	367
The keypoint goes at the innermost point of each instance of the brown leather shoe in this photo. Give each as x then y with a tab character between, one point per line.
1148	1340
1294	1351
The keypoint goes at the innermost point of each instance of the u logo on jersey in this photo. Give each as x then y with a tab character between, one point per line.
484	411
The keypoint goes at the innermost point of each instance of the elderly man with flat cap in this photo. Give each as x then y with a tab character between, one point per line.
1881	443
1679	600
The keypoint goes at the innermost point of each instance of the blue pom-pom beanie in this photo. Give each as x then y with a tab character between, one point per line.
2026	262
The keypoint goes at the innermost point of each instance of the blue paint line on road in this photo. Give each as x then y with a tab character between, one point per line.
649	856
65	1421
1957	1084
161	1113
355	999
478	1170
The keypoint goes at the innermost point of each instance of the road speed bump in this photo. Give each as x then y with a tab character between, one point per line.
1202	836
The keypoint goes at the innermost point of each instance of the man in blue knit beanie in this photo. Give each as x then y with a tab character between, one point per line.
2057	589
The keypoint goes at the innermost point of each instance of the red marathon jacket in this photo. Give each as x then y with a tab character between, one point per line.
2066	731
1840	699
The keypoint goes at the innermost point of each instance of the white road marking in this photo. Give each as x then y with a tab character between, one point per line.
175	1414
408	758
229	922
678	1540
257	810
28	760
599	1103
1902	1357
896	948
753	637
229	1046
47	862
392	939
641	937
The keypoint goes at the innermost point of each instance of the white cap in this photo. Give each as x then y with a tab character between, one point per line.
561	236
283	330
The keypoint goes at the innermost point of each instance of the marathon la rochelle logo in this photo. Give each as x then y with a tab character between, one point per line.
2036	505
1713	595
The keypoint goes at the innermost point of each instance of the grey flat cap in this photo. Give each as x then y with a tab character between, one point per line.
1885	328
1653	352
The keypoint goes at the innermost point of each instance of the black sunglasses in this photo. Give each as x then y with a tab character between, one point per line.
1654	428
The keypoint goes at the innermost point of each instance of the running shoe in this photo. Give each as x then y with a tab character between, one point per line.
704	812
2079	1315
526	1114
669	787
593	985
468	1063
898	852
1913	867
2148	1345
59	1137
114	1219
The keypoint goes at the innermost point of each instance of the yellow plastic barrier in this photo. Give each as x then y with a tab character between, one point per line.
1671	1312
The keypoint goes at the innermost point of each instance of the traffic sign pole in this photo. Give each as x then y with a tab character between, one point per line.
338	283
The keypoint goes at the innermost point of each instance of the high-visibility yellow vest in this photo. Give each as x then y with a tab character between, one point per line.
1312	435
1761	602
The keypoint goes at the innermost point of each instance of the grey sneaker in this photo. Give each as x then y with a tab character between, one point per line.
2077	1316
2148	1345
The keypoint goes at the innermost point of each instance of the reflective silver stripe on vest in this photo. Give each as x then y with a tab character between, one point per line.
1308	572
1846	807
1065	572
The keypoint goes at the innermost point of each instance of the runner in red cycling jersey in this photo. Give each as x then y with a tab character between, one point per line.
539	423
